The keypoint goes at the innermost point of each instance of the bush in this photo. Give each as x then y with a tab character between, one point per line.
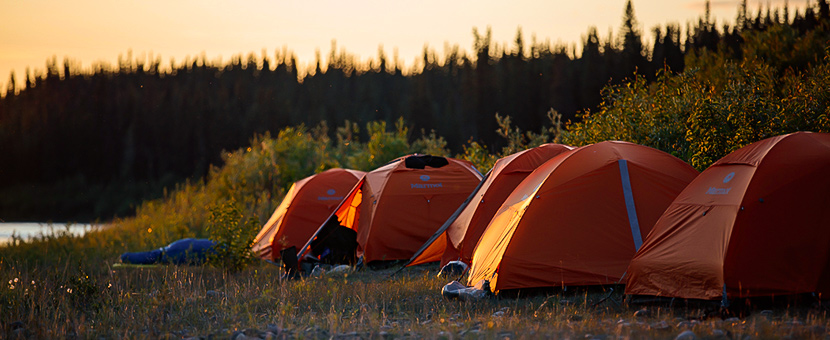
234	237
717	106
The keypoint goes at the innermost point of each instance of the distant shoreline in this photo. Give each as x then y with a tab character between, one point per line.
30	230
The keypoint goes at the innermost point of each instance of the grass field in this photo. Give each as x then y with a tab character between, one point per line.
99	299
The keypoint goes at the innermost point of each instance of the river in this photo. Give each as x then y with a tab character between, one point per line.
28	230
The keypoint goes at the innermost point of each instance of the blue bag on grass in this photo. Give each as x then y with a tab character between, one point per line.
184	251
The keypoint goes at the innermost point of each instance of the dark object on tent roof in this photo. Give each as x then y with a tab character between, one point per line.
185	251
423	161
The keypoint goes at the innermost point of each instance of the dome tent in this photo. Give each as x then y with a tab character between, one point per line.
755	223
578	218
457	238
307	204
395	208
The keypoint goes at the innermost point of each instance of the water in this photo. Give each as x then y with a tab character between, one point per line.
28	230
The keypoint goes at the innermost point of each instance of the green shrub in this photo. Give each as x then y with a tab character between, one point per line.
518	140
478	154
717	105
234	237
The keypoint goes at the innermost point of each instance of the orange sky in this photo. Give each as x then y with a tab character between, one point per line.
89	31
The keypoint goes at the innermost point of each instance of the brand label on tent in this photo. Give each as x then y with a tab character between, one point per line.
330	196
721	191
718	191
425	178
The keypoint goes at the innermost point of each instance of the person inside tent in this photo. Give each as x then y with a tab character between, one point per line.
334	244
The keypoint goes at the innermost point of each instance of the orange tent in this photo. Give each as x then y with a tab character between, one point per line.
755	223
396	207
579	217
306	205
457	239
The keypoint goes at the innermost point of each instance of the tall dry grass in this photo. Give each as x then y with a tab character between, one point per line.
177	302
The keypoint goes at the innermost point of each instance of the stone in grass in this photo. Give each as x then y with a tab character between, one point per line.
505	335
269	336
246	334
642	313
623	326
660	326
19	333
214	294
245	337
350	335
686	335
721	334
273	328
733	320
687	324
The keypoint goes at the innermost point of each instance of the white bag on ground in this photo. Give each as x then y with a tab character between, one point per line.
456	290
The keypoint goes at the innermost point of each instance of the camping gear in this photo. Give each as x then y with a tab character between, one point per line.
290	265
457	238
457	290
184	251
338	247
755	223
453	269
304	208
395	208
579	217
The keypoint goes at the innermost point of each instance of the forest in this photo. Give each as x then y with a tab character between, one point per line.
81	145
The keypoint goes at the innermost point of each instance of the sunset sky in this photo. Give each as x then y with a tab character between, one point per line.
90	31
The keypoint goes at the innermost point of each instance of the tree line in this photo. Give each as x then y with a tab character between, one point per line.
91	144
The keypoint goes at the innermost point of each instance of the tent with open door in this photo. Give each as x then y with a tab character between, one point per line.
578	218
304	208
457	238
397	207
755	223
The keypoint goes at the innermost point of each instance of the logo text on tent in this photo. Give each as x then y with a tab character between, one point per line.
728	177
718	191
426	186
330	196
425	178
